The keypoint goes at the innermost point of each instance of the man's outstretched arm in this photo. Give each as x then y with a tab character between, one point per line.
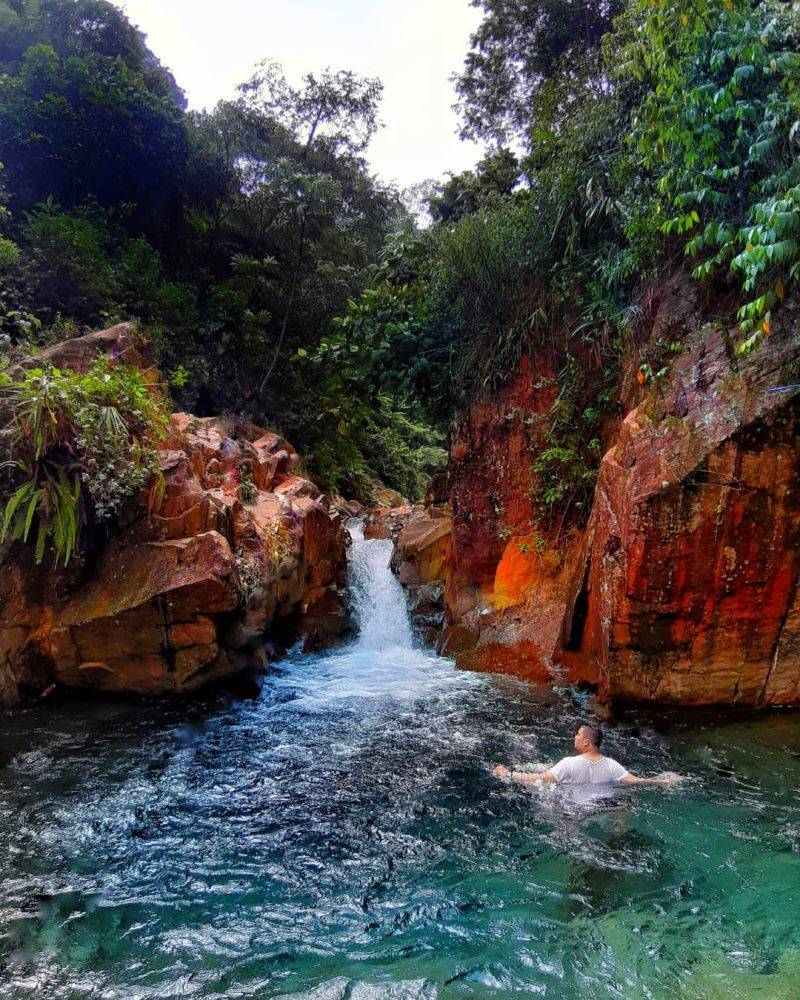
662	779
525	776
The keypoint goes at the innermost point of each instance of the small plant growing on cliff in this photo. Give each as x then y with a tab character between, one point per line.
565	469
81	445
646	374
54	500
248	492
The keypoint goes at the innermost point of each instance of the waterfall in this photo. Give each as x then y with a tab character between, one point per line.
379	604
382	663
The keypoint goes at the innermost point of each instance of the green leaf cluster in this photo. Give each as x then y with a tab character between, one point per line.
718	131
81	446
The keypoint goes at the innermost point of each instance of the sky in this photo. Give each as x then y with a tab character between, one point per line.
413	47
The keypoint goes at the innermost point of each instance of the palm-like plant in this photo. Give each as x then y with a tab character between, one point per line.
81	444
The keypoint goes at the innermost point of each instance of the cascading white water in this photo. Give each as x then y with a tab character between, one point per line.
379	603
383	661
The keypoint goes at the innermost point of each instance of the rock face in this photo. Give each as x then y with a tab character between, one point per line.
481	583
683	586
188	593
690	586
420	559
386	522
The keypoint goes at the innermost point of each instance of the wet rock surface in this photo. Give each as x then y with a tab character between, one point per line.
420	559
683	586
692	555
188	593
386	522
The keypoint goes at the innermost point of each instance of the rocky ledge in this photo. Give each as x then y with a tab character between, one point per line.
192	592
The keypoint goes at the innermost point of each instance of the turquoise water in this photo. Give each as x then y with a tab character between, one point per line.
342	836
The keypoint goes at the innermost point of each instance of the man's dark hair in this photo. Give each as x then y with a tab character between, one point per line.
593	732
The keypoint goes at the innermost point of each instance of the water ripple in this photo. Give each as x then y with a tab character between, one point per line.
342	837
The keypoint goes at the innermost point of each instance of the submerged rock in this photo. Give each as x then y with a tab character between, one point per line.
187	594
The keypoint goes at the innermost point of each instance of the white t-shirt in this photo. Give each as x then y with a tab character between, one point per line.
582	771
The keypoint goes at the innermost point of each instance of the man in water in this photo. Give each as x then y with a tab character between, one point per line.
589	767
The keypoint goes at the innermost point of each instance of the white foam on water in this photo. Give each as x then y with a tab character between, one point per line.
384	660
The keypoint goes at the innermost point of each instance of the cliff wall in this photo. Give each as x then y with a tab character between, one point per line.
681	586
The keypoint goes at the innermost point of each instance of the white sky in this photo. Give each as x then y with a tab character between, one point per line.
413	46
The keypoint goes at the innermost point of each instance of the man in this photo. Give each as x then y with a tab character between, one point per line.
589	767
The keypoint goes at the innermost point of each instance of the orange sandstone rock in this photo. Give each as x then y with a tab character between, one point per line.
186	594
683	587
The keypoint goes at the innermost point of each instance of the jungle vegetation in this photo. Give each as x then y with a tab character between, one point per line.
281	280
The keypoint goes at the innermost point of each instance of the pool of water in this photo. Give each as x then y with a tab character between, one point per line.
341	836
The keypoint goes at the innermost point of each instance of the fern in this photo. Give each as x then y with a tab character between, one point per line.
55	501
84	446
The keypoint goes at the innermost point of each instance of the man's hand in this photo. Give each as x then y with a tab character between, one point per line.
501	772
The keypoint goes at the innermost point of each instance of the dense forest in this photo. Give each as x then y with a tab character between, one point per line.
281	281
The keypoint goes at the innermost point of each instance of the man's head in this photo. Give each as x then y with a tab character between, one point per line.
589	737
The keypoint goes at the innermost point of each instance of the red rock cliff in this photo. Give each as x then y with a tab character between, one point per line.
683	587
188	594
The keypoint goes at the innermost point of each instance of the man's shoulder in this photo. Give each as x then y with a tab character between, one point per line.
565	766
617	770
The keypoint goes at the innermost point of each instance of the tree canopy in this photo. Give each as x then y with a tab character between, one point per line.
280	279
235	236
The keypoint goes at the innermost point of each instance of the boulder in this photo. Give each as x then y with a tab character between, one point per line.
386	522
192	591
419	559
681	584
382	496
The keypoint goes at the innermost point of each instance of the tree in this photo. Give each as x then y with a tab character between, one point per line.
495	177
338	111
87	111
517	47
235	236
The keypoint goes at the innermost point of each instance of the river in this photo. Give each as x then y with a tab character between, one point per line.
341	836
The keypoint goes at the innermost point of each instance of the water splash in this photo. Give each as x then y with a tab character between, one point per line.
379	603
342	837
383	662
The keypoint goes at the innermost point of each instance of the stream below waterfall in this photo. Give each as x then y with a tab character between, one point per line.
341	836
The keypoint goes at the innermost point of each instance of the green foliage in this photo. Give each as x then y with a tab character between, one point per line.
248	492
516	50
495	177
78	276
565	470
719	130
9	253
278	279
369	424
379	444
336	109
87	111
235	236
82	446
53	499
